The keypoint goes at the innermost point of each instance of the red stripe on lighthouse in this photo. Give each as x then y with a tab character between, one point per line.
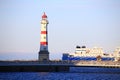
44	43
43	32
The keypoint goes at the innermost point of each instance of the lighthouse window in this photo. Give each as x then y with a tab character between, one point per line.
44	37
44	48
44	26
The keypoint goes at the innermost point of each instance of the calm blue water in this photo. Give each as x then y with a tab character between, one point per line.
81	73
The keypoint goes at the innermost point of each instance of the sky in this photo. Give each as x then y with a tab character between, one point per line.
93	23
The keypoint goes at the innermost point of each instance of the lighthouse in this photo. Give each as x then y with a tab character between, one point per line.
44	53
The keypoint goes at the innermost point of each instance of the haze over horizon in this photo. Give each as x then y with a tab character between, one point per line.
81	22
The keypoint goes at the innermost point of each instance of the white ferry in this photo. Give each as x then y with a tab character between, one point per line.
83	53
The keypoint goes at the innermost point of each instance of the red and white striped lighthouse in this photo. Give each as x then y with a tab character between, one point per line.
43	53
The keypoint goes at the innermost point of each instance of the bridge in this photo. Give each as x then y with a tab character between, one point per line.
52	66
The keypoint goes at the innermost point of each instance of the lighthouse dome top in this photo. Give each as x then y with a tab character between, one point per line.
44	15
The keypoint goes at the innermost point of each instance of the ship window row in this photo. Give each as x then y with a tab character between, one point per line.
80	50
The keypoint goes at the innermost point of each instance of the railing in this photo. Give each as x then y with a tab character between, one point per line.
68	63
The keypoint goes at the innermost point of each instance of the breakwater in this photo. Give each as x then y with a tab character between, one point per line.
51	66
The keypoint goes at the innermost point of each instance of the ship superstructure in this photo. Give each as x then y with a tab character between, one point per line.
117	54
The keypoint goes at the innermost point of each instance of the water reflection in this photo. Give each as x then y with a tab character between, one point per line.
76	73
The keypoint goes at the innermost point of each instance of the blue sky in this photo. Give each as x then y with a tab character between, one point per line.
80	22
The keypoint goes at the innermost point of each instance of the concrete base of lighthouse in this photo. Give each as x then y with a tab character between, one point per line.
43	56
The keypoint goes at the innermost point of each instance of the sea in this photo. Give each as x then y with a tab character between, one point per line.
75	73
